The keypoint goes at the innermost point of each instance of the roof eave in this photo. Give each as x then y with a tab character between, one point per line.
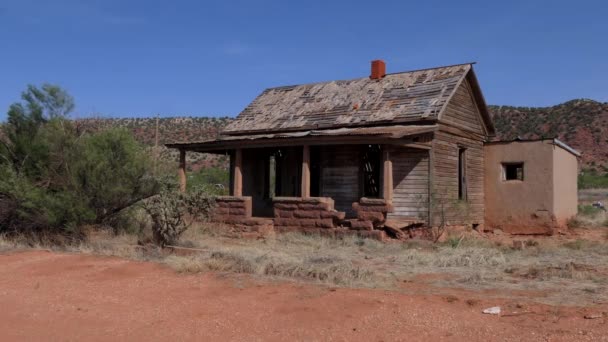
414	121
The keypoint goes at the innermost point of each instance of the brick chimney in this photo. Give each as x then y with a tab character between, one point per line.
378	69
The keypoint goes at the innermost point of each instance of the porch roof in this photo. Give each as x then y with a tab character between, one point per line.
312	137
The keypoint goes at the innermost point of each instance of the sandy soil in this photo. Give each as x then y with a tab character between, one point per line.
66	297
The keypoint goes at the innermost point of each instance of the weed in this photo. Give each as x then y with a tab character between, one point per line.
573	223
453	241
576	245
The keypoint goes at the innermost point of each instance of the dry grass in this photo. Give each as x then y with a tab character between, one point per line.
574	272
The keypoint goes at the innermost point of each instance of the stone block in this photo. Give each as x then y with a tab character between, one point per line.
306	214
324	223
361	225
283	213
287	222
375	217
310	223
222	211
309	206
337	215
236	205
285	206
237	212
372	201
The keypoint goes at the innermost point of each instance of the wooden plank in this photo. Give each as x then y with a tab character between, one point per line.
238	173
387	188
305	183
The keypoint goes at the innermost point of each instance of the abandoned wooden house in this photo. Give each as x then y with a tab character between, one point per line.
400	149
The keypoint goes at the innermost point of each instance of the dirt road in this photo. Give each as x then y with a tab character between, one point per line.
64	297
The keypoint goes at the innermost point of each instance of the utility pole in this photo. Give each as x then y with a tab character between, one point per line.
156	145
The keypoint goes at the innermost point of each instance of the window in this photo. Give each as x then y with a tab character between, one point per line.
462	174
513	171
372	157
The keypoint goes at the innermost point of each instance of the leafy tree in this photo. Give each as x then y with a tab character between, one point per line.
55	178
21	146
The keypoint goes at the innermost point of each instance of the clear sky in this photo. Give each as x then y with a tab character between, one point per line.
143	57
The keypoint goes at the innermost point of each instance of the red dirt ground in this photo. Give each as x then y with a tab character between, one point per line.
58	297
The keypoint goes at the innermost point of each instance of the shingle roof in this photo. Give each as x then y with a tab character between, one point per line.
400	97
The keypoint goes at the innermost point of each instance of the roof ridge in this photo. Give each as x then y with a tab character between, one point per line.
358	78
424	69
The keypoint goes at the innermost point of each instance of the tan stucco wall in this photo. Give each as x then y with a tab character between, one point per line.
565	187
520	206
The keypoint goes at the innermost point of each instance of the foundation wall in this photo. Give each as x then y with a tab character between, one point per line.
313	212
233	207
371	213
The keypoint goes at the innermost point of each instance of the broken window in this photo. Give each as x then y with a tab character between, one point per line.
371	171
513	171
462	174
272	176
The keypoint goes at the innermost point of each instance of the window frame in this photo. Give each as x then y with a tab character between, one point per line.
517	165
462	174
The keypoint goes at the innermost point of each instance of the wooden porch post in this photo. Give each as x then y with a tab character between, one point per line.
182	170
305	186
238	173
387	183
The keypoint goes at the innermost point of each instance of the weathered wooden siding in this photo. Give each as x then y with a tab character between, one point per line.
410	182
462	112
445	179
340	176
460	127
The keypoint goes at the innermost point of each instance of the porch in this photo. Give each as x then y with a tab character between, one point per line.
351	182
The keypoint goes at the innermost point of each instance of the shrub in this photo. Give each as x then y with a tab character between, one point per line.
588	210
573	223
56	178
173	212
215	179
592	179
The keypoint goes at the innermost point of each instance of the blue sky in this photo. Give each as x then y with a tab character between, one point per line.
211	58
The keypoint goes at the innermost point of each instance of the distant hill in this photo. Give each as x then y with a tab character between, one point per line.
582	124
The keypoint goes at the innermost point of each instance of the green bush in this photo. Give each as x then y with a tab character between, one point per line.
591	179
588	210
55	178
214	179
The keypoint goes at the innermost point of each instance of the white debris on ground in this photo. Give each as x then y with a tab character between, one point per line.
495	310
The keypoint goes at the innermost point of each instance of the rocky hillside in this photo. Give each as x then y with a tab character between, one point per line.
178	129
582	124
